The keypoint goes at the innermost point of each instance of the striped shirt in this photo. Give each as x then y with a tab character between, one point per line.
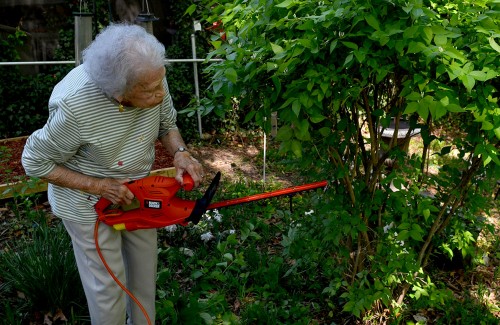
87	133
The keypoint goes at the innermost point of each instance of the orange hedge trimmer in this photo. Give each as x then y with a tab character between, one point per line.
156	206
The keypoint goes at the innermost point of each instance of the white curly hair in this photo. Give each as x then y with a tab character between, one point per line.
119	54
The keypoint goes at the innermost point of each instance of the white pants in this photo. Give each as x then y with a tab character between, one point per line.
133	258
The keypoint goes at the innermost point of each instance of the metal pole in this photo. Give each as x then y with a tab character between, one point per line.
196	85
274	124
83	33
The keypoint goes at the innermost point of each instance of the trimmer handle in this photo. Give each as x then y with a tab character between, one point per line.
187	182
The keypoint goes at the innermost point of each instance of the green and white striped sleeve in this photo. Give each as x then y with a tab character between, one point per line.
55	143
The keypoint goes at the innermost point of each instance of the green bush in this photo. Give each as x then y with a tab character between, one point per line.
44	271
338	73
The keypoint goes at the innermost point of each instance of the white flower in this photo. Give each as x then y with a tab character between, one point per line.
232	231
217	215
171	228
308	213
388	227
206	236
186	251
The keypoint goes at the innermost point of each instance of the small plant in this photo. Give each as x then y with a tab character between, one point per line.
44	271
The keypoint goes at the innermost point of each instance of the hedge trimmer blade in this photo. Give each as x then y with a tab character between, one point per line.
202	204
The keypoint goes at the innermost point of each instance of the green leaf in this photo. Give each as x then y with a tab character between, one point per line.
440	40
423	111
196	274
454	108
488	153
416	232
271	66
494	45
497	132
415	47
348	306
277	84
351	45
189	11
404	225
285	133
373	22
445	101
427	35
403	235
308	25
305	43
468	82
249	117
286	4
454	53
231	74
440	110
216	44
324	131
317	118
426	213
333	45
411	108
296	148
486	125
276	48
296	107
348	59
302	130
360	56
414	96
217	85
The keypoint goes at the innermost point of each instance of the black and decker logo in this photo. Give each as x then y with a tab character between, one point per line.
152	204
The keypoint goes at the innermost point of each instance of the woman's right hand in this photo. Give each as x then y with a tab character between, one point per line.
115	190
112	189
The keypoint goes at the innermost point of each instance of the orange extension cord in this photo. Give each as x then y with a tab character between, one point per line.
96	232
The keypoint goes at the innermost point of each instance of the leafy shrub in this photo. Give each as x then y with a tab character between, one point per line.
338	73
44	270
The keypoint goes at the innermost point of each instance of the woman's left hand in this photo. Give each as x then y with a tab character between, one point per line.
185	163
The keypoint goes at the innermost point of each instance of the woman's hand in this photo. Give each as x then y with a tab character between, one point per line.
115	190
185	163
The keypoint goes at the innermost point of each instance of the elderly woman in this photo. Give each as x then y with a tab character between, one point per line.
104	118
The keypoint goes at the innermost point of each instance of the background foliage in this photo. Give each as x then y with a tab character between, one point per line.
25	100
